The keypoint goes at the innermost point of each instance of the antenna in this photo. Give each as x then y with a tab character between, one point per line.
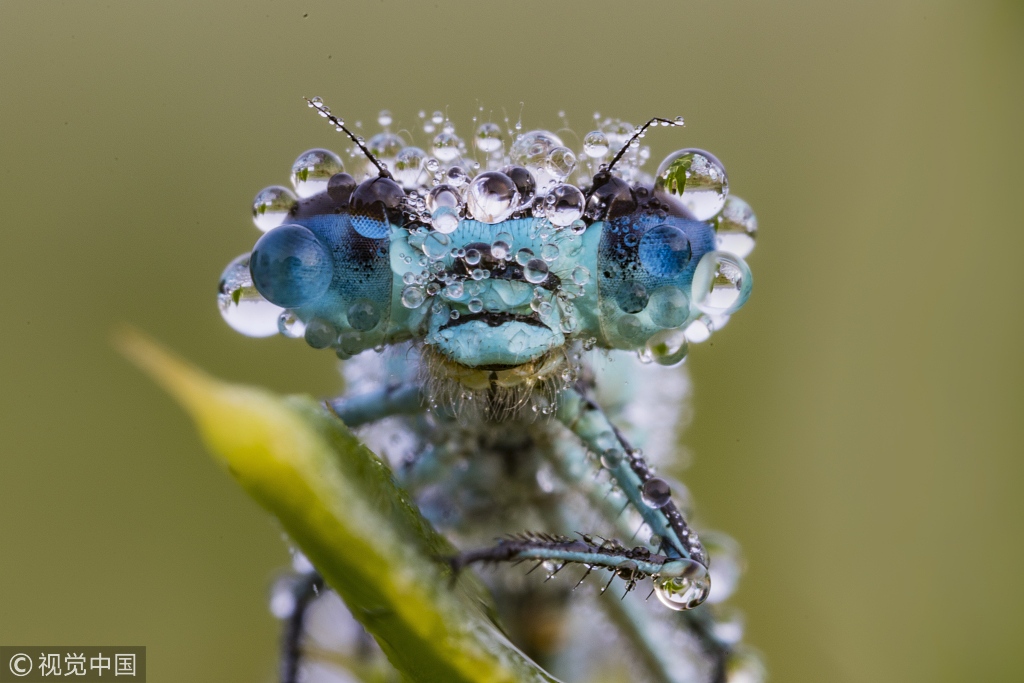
339	125
638	133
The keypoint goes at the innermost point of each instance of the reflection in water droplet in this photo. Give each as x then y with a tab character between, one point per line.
699	330
445	220
501	247
668	307
595	144
684	592
664	250
447	146
535	271
560	162
736	228
320	333
611	457
491	197
475	305
564	205
272	206
656	492
363	315
721	283
489	138
313	169
413	296
694	178
668	347
289	325
241	306
408	169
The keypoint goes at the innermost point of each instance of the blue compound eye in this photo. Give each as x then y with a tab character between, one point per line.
664	250
291	267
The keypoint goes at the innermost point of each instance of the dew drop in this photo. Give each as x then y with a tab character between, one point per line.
668	306
721	283
447	146
595	144
694	178
320	333
272	206
565	205
535	271
445	220
549	252
656	493
668	347
408	169
473	257
475	305
699	330
685	591
291	267
736	227
363	315
611	457
664	250
436	245
492	197
580	275
413	297
290	325
243	308
384	118
489	138
313	169
501	247
386	147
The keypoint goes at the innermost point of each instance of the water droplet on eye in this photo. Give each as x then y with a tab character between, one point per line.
445	220
290	325
501	247
291	267
611	458
473	257
475	305
384	118
447	146
560	162
492	197
489	138
694	178
535	271
668	347
549	252
721	283
313	169
436	245
408	169
686	591
272	206
243	308
363	315
564	205
320	333
632	297
668	306
595	144
664	250
736	228
656	492
726	565
413	297
630	328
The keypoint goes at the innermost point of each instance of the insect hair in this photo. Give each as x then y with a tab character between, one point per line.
339	125
638	133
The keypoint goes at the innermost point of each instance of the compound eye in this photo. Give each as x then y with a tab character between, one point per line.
291	267
373	204
664	251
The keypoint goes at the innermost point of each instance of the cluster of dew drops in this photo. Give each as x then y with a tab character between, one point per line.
536	176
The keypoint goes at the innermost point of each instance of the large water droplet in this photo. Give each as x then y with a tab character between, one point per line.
656	492
413	296
363	315
694	178
313	169
595	144
241	305
291	267
664	250
736	227
560	162
445	220
447	146
436	245
409	167
531	150
501	247
443	195
721	283
632	297
564	205
668	347
489	138
668	306
535	271
526	185
492	197
686	591
272	206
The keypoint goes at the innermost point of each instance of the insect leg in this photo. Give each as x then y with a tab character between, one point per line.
304	591
394	399
588	422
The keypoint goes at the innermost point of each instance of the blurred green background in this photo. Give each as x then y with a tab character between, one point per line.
858	426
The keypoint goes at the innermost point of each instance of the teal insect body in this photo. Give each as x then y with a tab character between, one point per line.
495	280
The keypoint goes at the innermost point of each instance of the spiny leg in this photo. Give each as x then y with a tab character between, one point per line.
588	422
304	591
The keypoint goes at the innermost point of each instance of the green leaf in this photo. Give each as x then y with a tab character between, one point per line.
340	505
